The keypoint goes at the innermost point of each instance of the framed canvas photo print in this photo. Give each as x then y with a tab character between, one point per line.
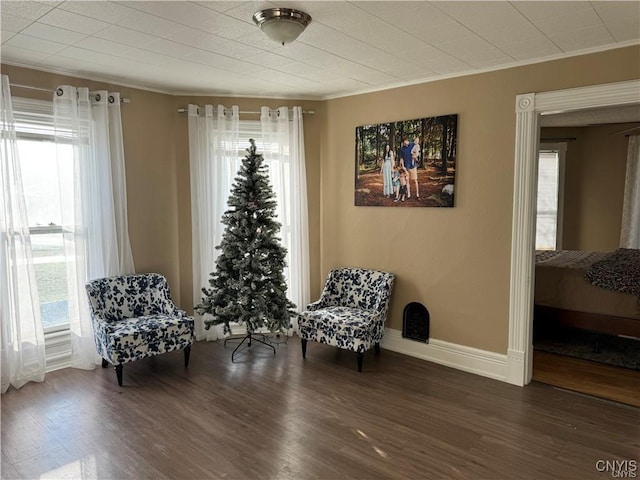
411	163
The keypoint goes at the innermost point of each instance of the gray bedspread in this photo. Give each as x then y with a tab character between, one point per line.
618	271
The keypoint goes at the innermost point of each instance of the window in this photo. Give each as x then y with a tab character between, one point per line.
550	196
249	129
46	171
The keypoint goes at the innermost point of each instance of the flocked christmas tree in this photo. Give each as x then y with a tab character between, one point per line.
248	285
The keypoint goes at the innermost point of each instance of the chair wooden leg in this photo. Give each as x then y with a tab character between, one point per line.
187	353
119	374
304	348
376	348
104	363
360	359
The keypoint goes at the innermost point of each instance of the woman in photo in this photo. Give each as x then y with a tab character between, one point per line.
385	171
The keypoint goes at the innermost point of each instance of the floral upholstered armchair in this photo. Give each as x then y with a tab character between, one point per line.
351	311
134	317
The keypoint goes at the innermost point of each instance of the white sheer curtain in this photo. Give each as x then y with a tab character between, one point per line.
630	233
283	143
218	140
94	212
22	337
214	163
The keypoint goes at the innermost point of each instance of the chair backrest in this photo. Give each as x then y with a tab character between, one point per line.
358	288
128	296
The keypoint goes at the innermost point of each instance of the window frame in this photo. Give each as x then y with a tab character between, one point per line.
252	129
560	148
40	112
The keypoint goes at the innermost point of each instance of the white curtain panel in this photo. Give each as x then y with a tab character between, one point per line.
283	150
214	163
22	337
630	232
94	221
108	117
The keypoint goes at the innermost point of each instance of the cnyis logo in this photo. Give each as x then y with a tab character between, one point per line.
618	468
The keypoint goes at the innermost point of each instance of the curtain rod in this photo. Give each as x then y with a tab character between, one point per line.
40	89
248	112
32	88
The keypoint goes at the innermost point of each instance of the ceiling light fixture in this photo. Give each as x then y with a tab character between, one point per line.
282	25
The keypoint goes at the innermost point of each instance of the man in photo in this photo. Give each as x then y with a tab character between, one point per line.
407	162
415	160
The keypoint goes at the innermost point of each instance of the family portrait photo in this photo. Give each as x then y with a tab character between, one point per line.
411	163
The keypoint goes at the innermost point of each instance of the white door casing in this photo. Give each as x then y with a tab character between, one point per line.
529	107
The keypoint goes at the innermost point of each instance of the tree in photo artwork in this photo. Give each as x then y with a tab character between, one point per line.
433	161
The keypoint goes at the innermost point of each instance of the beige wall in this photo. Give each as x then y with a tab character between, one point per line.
157	168
594	185
149	163
312	138
455	261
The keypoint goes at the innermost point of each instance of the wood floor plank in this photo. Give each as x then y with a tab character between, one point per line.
282	417
613	383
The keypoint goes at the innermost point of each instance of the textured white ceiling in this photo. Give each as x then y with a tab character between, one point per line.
350	47
593	116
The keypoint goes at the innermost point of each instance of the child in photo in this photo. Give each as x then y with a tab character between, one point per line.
403	184
395	178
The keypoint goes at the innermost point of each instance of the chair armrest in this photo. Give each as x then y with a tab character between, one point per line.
383	297
322	302
97	318
101	323
170	308
316	305
379	305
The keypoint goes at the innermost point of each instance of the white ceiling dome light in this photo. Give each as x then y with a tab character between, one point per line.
282	25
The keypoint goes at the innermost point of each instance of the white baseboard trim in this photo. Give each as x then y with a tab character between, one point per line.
468	359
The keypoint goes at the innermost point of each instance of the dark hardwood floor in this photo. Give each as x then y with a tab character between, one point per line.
279	417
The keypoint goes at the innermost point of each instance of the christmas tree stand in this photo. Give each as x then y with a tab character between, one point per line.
248	286
249	338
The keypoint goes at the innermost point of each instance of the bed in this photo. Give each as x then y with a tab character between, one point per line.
594	291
